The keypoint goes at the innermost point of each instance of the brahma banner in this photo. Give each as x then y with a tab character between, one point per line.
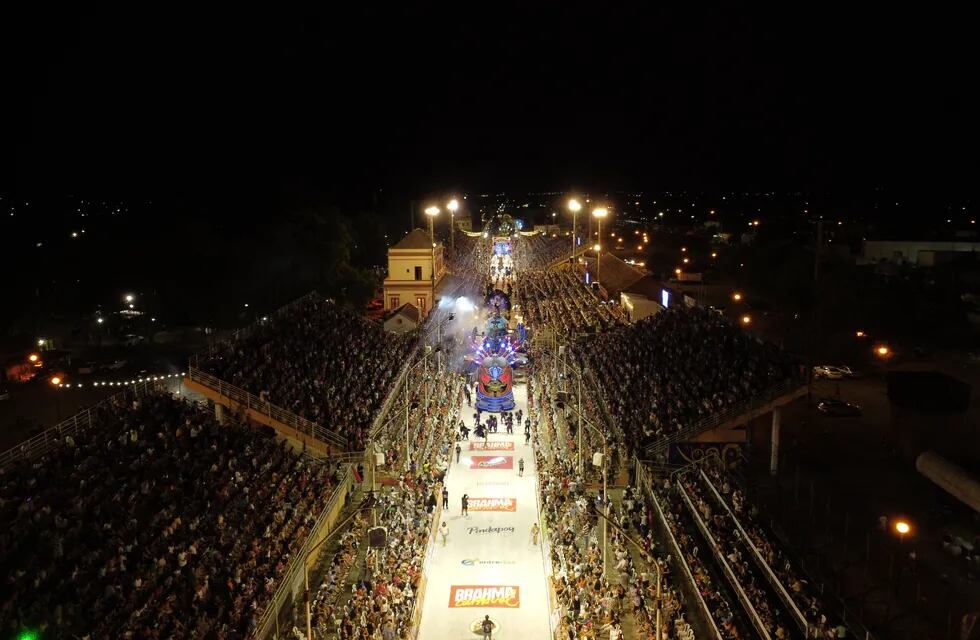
493	504
484	596
491	446
492	462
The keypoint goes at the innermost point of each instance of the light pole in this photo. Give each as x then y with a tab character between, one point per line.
452	206
599	214
408	403
431	213
574	207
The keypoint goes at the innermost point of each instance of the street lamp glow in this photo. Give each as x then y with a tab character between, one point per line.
453	205
100	320
882	351
432	211
600	212
686	260
902	527
573	205
736	296
596	248
55	381
129	297
677	271
746	320
859	334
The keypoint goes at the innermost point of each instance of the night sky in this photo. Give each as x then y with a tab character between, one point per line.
242	99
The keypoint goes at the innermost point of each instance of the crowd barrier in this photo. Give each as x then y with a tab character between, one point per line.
291	584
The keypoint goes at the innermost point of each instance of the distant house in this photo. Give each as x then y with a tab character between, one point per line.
415	268
404	319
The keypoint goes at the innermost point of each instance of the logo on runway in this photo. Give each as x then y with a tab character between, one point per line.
493	484
462	596
490	531
493	462
472	562
493	504
491	446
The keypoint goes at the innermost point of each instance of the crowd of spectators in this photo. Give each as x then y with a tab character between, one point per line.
562	300
318	360
788	574
155	522
736	554
674	368
539	251
680	527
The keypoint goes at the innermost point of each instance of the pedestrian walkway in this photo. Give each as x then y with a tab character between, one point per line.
489	565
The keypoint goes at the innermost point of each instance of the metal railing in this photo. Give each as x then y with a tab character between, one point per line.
645	484
275	412
291	581
760	561
726	569
733	412
43	442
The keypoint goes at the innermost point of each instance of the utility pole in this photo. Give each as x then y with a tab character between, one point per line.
815	303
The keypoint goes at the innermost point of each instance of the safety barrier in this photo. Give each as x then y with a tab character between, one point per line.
291	582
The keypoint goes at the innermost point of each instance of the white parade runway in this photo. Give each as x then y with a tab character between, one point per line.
489	565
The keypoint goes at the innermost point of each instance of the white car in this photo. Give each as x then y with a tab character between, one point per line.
832	373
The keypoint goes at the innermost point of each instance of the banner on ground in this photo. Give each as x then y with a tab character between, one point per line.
463	596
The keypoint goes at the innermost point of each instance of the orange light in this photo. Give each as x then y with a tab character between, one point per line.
902	527
686	260
33	357
55	381
746	320
714	254
736	297
677	271
683	248
882	351
859	334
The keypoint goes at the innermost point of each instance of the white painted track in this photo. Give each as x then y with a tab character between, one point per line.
489	559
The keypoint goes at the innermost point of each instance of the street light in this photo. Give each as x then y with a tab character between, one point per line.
737	297
432	212
746	320
882	351
55	381
129	297
574	207
452	206
902	527
599	213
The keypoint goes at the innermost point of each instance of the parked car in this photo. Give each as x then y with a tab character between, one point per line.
833	372
838	408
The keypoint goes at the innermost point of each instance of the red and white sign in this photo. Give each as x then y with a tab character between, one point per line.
492	462
461	596
491	446
492	504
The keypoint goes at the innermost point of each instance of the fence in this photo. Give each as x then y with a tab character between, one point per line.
275	412
292	581
737	410
46	440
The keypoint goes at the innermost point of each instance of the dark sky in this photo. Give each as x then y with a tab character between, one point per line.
165	97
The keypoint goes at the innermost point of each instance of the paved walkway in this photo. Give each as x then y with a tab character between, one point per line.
489	565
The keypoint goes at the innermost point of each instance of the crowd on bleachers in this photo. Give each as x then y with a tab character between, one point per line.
562	300
539	251
672	369
788	574
772	613
318	360
155	522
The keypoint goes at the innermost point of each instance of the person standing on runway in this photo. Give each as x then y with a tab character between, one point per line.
520	467
444	532
535	530
527	437
445	498
466	504
459	450
487	627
